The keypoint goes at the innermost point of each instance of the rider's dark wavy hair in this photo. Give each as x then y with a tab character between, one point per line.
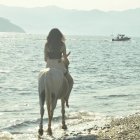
55	39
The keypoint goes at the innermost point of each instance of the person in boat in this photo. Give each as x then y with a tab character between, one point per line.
55	52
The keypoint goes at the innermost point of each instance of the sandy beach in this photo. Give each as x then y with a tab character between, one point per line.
127	128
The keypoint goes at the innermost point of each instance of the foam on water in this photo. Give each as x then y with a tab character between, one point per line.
76	122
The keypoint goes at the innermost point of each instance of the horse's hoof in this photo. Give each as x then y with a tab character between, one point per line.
49	132
40	132
64	127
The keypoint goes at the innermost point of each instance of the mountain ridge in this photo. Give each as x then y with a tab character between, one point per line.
71	21
7	26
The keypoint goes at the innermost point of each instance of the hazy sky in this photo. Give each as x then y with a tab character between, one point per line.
77	4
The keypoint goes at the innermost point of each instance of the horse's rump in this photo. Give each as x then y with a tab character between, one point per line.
53	82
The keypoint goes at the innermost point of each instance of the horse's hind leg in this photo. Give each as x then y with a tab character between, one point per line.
51	104
41	101
63	114
50	116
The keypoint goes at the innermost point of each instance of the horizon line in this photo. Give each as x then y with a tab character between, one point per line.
32	7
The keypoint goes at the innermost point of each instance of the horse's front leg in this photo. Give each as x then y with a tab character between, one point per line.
63	114
70	86
41	101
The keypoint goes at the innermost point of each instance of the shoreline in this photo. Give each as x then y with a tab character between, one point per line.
123	128
118	129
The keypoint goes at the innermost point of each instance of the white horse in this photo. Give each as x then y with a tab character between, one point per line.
53	85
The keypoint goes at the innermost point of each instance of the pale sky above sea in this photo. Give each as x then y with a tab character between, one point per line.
105	5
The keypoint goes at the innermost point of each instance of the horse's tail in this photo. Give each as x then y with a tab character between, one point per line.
50	93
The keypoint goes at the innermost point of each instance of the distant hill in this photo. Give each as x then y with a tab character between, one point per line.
93	22
7	26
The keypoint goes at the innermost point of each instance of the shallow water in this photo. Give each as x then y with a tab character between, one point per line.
106	79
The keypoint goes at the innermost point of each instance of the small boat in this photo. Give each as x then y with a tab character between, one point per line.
121	37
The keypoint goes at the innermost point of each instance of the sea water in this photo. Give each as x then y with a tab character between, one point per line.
106	81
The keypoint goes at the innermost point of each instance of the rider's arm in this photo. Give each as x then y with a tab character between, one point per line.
65	56
64	52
